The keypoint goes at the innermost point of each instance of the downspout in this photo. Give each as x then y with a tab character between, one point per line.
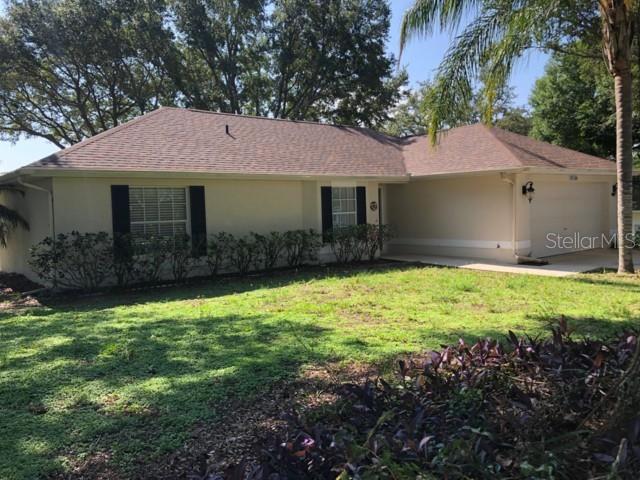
52	217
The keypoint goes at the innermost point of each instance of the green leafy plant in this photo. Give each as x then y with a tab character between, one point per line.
10	219
269	249
243	252
354	243
124	264
375	238
75	260
301	246
151	253
219	251
343	243
180	257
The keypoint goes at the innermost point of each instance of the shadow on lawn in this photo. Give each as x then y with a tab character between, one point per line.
81	386
89	381
204	453
587	327
622	283
109	392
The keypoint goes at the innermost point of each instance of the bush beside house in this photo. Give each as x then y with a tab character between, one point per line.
87	261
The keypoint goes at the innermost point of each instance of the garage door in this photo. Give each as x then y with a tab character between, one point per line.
566	209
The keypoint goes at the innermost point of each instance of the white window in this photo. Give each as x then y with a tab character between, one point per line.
158	211
343	206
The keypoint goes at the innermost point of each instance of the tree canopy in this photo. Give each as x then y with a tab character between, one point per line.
412	113
72	68
573	103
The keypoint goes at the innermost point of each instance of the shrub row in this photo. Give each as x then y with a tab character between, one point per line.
358	242
261	252
88	260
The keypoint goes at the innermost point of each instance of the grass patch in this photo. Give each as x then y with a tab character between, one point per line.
127	375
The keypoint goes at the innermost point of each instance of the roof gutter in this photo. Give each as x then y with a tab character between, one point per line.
532	170
52	215
82	173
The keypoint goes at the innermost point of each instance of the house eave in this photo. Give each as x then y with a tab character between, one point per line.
84	173
436	175
607	172
532	170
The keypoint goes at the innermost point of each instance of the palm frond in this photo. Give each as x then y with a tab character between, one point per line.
9	221
12	218
11	189
425	16
492	42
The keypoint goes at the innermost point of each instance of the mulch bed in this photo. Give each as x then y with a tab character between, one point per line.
215	450
12	289
12	283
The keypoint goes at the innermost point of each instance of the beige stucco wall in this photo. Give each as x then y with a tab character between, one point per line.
34	207
564	206
473	216
469	216
235	206
466	216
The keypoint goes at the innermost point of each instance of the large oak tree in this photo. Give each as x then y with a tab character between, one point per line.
72	68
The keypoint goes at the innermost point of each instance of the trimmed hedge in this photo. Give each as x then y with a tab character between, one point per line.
87	261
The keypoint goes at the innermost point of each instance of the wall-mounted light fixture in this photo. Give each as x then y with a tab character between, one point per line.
528	190
614	189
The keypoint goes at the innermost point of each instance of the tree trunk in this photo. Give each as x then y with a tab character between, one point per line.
617	37
624	169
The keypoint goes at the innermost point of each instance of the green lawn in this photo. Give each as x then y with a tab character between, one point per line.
129	374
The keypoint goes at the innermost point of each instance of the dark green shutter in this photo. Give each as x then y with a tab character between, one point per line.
120	217
636	192
327	212
120	209
198	221
361	204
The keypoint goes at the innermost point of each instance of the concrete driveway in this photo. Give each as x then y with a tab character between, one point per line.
559	265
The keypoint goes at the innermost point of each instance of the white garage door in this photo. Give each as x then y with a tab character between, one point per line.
563	212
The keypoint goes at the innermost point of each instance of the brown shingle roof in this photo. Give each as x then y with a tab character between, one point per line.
477	148
181	140
193	141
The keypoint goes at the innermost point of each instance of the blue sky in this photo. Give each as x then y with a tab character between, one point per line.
421	58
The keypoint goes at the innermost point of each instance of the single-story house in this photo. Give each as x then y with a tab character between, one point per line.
480	192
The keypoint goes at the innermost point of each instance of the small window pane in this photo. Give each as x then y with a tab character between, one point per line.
158	211
151	205
344	206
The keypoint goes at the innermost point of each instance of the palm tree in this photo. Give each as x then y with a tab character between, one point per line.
10	219
500	32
